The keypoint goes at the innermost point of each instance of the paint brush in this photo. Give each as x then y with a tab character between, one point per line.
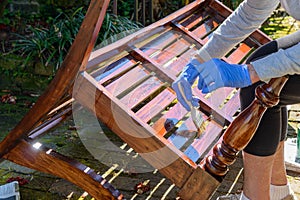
195	113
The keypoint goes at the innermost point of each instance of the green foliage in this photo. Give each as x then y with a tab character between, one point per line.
3	19
114	28
170	6
280	24
64	3
51	8
49	46
125	8
3	4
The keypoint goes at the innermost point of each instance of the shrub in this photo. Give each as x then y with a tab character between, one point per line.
50	45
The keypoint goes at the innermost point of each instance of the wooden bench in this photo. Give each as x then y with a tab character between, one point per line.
127	86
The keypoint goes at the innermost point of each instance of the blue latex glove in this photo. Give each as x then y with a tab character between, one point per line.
216	73
186	80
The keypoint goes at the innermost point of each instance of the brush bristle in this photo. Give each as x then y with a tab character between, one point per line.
199	122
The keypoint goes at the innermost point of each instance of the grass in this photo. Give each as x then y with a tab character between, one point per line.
279	25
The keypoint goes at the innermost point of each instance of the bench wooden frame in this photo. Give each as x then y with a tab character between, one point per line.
143	65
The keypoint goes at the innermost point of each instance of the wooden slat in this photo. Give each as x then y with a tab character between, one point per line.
186	132
177	66
237	55
116	47
233	105
192	20
140	136
172	51
218	96
156	105
205	40
182	61
128	80
205	28
199	146
159	43
117	50
96	65
149	63
192	38
209	108
140	93
169	119
220	8
113	70
148	38
224	101
223	115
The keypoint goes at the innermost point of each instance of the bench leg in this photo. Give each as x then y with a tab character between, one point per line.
49	161
242	129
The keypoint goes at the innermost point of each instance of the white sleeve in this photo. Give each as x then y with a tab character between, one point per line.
283	62
240	24
288	40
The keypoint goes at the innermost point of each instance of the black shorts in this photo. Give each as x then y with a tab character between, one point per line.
274	123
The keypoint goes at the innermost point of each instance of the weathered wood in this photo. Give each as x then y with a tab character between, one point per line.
184	134
52	122
182	61
198	149
242	129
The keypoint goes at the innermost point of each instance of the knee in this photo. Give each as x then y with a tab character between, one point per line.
268	134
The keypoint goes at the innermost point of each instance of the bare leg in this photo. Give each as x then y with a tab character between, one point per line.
279	170
257	176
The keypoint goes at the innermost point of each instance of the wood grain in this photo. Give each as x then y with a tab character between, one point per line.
51	162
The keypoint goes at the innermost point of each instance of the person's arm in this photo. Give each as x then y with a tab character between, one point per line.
283	62
288	40
239	25
252	73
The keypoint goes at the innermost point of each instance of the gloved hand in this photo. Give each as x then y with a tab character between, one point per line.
185	80
216	73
